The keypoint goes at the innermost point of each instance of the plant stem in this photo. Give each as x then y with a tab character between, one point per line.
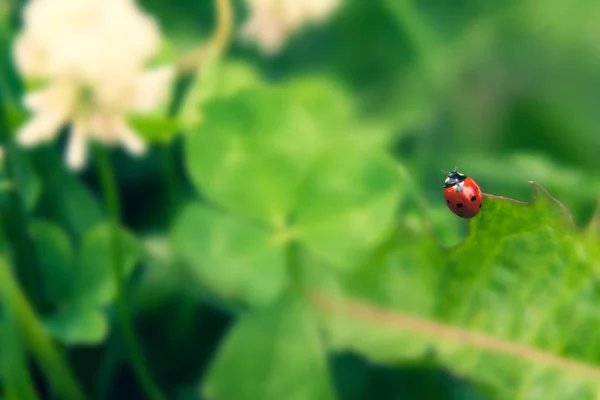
110	193
55	368
15	374
216	45
187	68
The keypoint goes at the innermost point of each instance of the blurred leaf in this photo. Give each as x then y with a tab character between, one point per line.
15	117
79	285
24	178
356	379
93	283
64	198
55	255
78	325
251	154
153	128
347	203
326	100
401	272
273	353
216	80
297	173
513	307
232	256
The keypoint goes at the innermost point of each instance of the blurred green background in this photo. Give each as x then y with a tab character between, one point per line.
505	90
508	91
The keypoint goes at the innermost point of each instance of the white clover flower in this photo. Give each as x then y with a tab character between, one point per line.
90	55
272	22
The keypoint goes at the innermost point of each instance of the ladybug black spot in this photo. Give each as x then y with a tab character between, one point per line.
448	201
480	206
459	205
473	198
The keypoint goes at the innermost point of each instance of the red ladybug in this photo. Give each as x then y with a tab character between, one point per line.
463	196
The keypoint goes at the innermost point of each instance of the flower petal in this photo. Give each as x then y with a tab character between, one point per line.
151	88
59	96
52	107
129	138
41	128
76	155
267	30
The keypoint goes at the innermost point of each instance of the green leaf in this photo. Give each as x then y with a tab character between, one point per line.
347	203
273	353
401	273
326	101
15	117
300	173
217	80
154	128
79	284
78	325
25	180
55	255
64	198
231	256
93	283
251	154
514	307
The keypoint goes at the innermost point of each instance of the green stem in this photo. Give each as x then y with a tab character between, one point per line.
110	193
48	357
216	45
187	68
16	379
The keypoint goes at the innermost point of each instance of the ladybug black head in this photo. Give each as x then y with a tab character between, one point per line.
454	178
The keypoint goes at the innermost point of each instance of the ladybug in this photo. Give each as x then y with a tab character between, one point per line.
462	194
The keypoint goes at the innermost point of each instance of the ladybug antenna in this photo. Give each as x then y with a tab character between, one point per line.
454	167
446	172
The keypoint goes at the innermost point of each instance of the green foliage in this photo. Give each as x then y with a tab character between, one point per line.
295	239
78	283
253	163
283	178
281	334
24	180
155	129
512	307
249	259
64	198
13	367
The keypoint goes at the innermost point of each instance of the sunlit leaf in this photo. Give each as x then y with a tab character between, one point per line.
251	154
513	308
155	129
347	203
231	256
216	80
